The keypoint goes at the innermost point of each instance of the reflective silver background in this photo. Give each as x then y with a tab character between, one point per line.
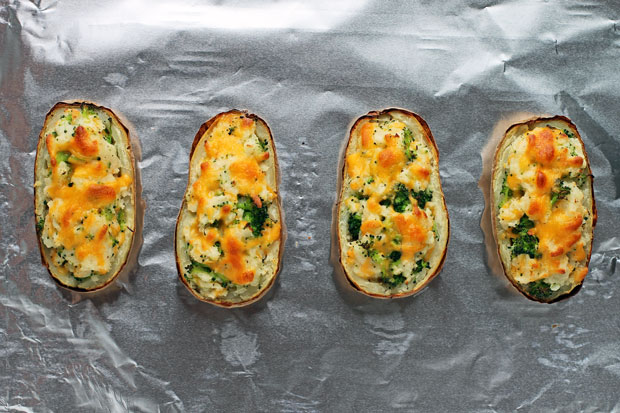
468	342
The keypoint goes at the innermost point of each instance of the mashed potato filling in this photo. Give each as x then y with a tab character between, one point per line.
389	206
232	228
84	224
542	215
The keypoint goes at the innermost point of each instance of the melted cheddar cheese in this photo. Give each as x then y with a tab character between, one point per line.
86	192
542	212
391	237
232	230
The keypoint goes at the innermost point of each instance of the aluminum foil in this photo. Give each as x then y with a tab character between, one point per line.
468	342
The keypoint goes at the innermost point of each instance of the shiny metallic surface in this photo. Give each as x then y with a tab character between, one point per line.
468	342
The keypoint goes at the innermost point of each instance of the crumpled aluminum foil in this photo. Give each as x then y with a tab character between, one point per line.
469	342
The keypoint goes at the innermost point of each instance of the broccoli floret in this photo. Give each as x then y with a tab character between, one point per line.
122	219
354	223
526	244
395	255
568	133
394	280
561	193
422	197
539	289
506	193
263	144
524	225
420	265
401	199
40	224
255	216
407	139
197	268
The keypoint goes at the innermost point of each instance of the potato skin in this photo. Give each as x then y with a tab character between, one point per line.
41	145
433	146
201	131
496	170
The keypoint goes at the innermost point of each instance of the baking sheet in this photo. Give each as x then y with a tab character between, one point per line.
468	342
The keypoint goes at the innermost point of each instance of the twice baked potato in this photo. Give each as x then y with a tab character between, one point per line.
84	195
543	208
229	231
392	222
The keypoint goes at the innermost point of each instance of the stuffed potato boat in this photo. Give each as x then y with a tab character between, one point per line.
393	225
229	230
84	195
543	208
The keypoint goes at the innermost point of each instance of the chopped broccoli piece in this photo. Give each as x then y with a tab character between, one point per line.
420	265
63	156
394	280
506	193
395	255
40	224
108	213
407	139
376	257
525	224
385	202
121	217
524	243
87	110
568	133
198	268
422	197
359	195
561	193
401	200
263	144
255	216
539	289
354	223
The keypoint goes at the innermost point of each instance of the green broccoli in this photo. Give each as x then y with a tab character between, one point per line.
253	214
561	193
539	289
422	197
420	265
401	199
395	255
506	193
354	223
407	139
196	268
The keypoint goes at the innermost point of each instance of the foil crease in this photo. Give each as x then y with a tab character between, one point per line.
468	342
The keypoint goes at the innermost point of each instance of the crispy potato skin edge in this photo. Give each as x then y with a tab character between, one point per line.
201	131
495	170
64	105
431	140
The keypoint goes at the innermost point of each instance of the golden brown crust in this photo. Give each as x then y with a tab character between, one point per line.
529	123
431	140
40	144
201	132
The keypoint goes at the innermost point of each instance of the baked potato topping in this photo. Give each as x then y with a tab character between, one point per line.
229	234
544	210
393	221
84	190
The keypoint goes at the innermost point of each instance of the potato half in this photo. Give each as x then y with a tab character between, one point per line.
84	195
543	209
393	224
229	230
